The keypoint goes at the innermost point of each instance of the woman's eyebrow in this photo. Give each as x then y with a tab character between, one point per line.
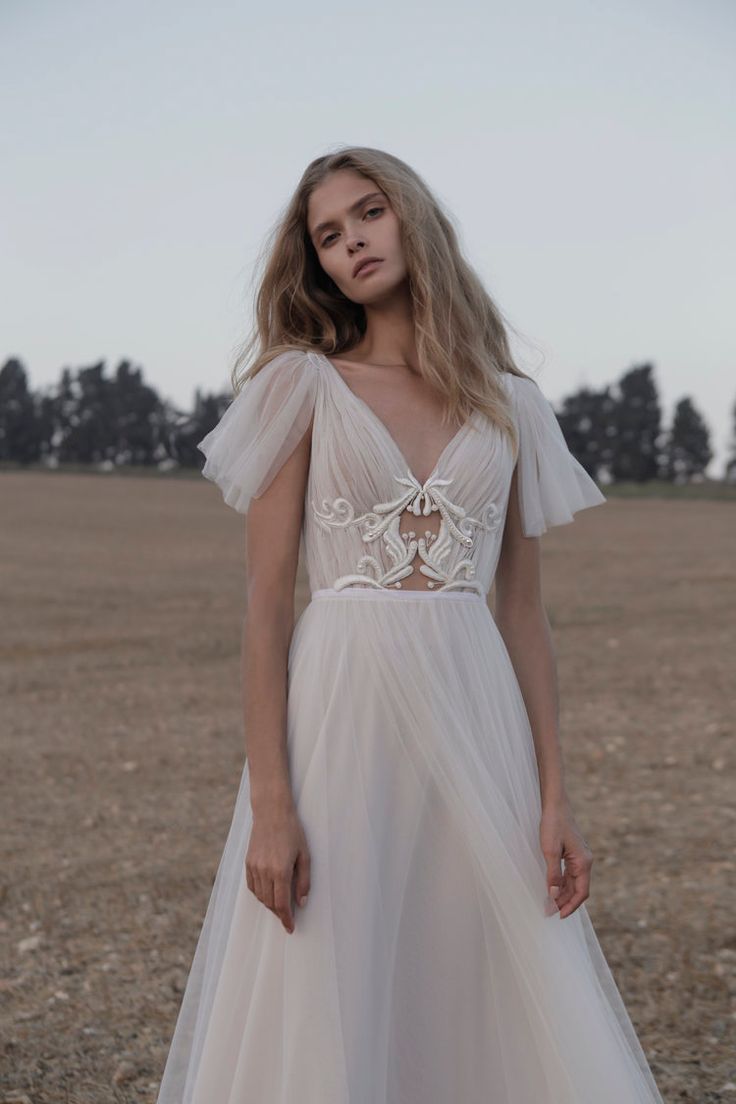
353	207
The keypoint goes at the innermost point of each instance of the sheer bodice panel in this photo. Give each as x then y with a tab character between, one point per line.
368	521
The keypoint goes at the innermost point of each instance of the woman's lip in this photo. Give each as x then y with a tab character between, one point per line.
367	268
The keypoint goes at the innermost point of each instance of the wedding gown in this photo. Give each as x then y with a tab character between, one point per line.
429	965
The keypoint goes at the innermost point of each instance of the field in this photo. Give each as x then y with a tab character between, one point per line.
122	750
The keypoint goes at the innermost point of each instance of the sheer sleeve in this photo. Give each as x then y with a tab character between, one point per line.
553	485
261	428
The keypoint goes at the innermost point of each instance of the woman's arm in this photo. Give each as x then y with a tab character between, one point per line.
523	624
277	853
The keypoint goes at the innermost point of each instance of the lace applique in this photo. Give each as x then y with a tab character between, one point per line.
401	548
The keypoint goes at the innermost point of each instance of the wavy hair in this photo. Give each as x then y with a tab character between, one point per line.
460	333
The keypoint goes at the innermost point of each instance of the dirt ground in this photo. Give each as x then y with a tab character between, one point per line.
122	751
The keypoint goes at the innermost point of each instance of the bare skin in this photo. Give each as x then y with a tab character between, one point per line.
522	621
277	862
382	371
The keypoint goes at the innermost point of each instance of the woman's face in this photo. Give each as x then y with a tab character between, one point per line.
349	218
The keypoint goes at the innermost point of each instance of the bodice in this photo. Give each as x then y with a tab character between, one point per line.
368	520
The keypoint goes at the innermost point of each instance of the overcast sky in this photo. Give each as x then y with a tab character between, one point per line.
585	149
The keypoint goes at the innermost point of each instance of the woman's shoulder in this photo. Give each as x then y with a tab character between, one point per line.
283	359
276	372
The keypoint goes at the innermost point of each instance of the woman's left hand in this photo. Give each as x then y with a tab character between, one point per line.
561	838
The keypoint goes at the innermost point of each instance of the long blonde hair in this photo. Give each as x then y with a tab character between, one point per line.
461	338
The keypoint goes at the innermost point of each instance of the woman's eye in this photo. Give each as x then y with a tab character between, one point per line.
326	241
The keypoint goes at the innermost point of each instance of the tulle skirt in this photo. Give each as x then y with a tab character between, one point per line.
428	966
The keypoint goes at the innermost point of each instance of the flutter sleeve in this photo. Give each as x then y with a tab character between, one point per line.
553	485
261	428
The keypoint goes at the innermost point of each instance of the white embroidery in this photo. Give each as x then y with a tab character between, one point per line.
401	548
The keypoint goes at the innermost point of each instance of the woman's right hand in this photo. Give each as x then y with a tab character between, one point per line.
278	855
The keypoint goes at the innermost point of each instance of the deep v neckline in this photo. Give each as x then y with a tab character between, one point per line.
383	428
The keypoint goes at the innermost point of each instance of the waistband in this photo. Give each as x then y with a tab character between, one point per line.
371	593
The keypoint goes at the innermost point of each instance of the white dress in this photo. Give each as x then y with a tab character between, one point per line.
429	966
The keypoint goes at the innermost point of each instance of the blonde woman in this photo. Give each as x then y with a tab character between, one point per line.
398	916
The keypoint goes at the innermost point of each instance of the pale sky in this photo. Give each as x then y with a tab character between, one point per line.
585	150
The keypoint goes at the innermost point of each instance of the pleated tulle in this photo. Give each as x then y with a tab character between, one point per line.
428	966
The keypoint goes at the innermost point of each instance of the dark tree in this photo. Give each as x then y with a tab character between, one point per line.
20	437
89	431
584	419
687	450
139	427
635	428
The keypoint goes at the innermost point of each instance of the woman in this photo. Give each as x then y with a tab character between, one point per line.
398	914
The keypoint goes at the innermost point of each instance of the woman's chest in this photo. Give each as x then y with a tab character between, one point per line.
366	507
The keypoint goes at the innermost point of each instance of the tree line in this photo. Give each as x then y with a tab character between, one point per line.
89	417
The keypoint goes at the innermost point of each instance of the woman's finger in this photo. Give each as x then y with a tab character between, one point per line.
566	891
268	892
282	903
580	895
